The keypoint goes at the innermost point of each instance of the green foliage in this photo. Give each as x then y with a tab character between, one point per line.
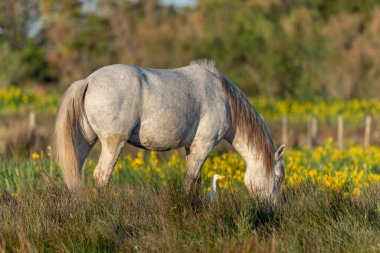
10	66
35	63
291	49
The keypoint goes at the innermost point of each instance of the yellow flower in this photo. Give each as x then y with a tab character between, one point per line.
356	192
49	151
35	156
154	158
138	161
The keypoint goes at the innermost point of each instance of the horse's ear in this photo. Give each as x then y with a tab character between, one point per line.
280	152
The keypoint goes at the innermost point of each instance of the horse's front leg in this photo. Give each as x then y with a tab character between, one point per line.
196	155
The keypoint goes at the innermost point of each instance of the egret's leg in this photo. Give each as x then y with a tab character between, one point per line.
111	147
196	155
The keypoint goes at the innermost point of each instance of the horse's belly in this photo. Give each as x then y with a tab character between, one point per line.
161	136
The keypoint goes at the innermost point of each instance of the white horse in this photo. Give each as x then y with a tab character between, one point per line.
162	109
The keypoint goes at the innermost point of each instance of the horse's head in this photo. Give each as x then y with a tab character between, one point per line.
266	185
279	171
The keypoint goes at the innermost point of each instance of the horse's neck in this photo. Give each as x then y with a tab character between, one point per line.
248	152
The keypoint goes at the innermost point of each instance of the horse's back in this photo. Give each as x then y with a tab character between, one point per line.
155	88
163	106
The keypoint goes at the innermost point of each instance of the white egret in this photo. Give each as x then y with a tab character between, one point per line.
211	196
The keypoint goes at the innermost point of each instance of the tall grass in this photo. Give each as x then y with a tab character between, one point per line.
37	214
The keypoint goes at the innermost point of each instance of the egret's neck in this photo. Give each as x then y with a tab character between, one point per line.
213	188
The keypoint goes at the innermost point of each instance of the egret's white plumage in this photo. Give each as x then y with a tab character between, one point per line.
211	196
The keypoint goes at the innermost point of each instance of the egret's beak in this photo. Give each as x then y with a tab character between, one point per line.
220	177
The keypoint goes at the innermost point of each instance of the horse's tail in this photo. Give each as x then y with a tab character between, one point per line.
67	127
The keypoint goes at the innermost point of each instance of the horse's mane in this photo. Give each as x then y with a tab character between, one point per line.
244	117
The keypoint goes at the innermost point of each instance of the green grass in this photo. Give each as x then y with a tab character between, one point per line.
37	214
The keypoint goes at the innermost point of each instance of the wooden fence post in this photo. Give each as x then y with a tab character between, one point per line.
312	129
340	131
284	133
367	131
32	122
31	131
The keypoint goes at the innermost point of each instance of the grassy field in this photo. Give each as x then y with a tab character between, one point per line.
330	203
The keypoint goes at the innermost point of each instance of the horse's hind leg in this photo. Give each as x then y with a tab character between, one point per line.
84	147
111	147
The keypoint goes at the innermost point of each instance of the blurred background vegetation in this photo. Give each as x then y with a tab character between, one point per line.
299	49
